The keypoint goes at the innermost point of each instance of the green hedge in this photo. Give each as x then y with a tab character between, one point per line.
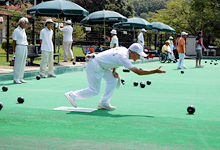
4	46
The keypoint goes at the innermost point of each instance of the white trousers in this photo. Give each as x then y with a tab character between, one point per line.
46	59
181	60
171	56
94	75
67	45
20	61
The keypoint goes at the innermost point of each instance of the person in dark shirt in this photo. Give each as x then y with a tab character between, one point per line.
198	49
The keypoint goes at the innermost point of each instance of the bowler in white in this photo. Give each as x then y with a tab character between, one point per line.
99	66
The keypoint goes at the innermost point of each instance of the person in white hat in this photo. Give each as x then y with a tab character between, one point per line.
171	43
182	51
114	39
20	48
171	55
141	38
99	66
67	40
46	35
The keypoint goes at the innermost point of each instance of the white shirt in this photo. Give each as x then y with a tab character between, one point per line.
67	33
46	37
171	45
115	57
19	35
114	41
141	39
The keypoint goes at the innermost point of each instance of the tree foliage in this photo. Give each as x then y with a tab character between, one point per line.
145	6
78	32
190	15
123	7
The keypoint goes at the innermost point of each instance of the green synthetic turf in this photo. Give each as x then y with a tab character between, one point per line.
153	117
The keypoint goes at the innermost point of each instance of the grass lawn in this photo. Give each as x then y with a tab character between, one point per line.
77	51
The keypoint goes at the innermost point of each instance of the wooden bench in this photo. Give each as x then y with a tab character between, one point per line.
212	49
34	51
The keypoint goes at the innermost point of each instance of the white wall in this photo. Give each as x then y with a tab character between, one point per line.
190	45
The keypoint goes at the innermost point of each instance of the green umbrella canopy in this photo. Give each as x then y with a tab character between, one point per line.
104	17
134	23
99	17
62	8
158	26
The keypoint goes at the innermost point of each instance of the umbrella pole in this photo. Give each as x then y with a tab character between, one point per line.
155	41
134	35
58	38
104	34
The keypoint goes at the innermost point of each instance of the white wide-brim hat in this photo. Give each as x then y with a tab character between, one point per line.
143	30
48	20
171	37
136	47
68	22
113	32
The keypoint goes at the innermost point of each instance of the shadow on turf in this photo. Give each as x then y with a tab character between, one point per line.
105	113
188	68
6	84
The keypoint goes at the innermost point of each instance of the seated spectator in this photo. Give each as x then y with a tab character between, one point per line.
166	49
211	43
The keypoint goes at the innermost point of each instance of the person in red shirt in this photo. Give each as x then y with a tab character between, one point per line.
182	51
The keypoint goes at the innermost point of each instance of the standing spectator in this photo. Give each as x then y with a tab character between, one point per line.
67	40
20	49
47	49
171	48
176	43
171	43
198	49
182	50
141	38
114	39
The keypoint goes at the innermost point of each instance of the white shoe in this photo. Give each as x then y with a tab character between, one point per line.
185	67
42	76
179	68
197	66
23	81
71	98
106	106
51	75
17	81
200	66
